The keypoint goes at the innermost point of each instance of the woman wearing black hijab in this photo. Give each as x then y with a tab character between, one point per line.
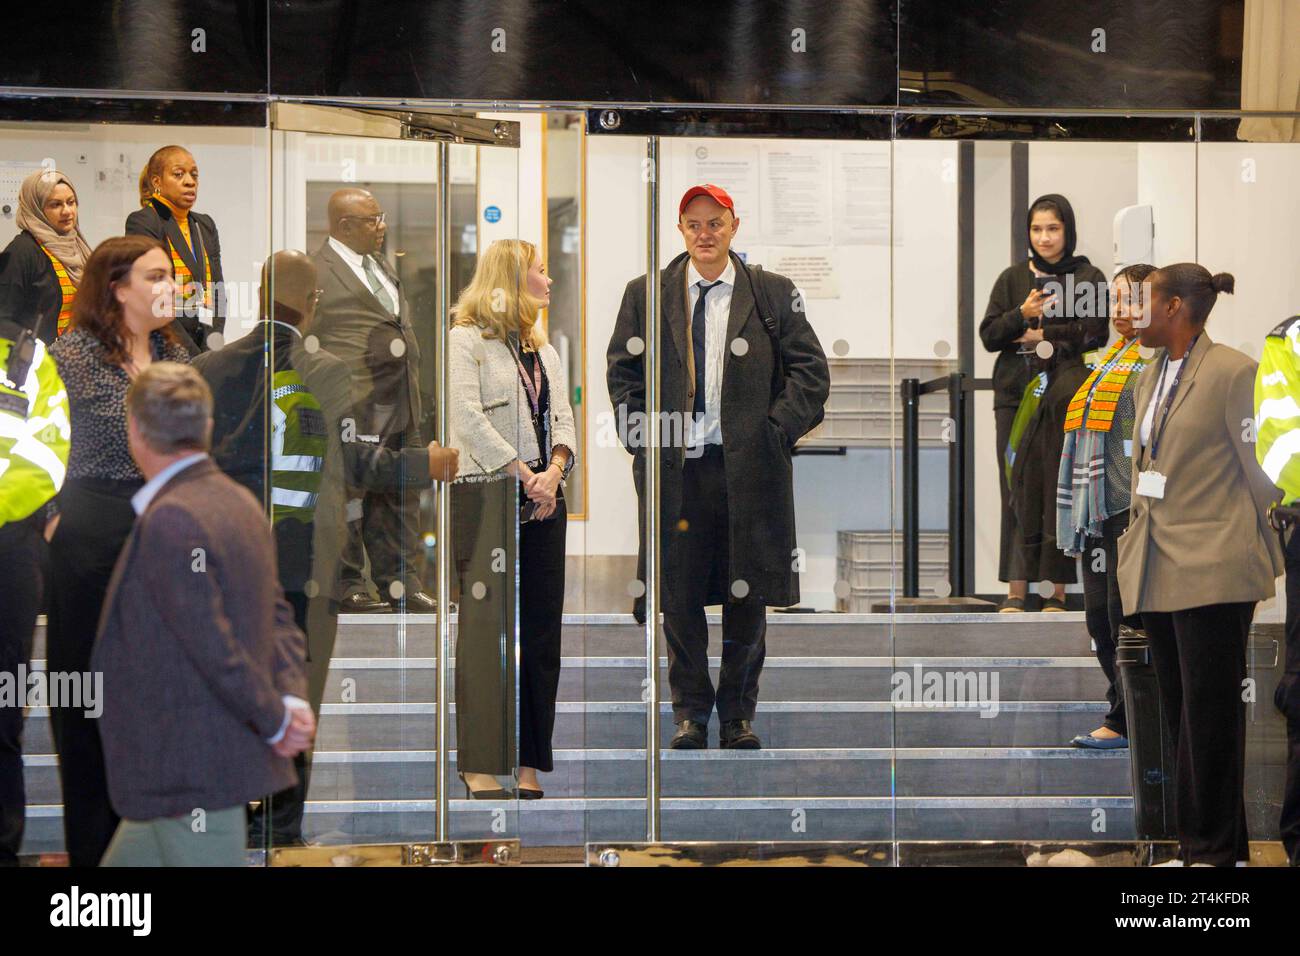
1070	316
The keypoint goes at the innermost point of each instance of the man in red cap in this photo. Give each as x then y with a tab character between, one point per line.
743	379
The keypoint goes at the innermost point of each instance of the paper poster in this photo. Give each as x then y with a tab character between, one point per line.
734	168
861	196
811	269
797	194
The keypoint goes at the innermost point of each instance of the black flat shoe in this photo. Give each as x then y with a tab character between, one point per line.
488	793
738	735
527	793
691	735
359	603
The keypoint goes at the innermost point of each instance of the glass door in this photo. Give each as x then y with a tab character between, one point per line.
406	224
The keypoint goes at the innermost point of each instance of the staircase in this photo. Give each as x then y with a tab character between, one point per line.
842	761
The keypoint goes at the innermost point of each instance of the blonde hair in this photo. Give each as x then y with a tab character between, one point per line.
497	299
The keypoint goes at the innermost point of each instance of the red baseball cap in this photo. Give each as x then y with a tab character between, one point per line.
718	194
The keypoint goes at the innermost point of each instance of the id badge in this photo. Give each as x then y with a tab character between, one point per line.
206	316
1151	484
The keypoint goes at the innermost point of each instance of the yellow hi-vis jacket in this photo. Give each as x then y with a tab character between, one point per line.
1277	409
35	433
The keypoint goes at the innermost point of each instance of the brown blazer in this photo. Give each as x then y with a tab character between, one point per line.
1207	541
197	651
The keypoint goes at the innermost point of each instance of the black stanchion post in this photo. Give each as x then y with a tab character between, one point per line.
911	394
957	484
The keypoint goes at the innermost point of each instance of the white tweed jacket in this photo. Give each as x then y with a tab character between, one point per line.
490	419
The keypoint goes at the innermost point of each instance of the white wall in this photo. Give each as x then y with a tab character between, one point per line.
104	163
1237	215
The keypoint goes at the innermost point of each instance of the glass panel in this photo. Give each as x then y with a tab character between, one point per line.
1247	194
987	705
604	694
490	426
216	182
749	529
368	214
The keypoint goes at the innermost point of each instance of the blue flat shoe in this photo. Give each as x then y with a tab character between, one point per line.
1100	743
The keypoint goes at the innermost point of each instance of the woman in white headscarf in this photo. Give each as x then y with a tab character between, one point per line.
41	268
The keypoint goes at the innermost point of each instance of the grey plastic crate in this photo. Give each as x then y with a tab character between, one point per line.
865	408
875	576
884	545
860	600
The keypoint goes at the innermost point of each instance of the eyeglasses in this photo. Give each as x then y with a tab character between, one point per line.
375	221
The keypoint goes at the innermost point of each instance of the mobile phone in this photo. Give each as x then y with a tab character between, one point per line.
1041	283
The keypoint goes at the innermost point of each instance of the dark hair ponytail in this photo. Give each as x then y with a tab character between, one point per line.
1193	284
1223	282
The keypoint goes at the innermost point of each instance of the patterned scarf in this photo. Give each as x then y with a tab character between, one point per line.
1081	490
1081	479
67	291
1099	393
186	288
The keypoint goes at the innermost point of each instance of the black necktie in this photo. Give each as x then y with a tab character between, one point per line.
698	344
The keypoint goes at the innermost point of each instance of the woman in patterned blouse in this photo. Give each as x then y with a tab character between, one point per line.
119	327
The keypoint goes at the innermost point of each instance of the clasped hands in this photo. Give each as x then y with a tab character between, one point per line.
542	487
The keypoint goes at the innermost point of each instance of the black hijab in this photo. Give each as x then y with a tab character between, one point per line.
1068	262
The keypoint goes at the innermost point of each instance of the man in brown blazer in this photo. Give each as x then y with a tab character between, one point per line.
204	678
1198	553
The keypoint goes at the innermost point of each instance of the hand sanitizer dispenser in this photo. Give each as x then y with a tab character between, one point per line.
1135	231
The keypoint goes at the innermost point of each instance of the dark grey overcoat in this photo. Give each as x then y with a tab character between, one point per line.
761	418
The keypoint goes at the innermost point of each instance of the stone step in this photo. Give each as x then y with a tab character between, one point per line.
616	635
820	772
620	724
569	822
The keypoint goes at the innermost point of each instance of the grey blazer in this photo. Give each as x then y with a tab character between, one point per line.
197	650
1207	541
490	419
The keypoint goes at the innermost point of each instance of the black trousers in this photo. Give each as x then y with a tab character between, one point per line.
485	518
282	812
95	519
20	570
388	533
1199	656
696	573
1287	700
1104	612
1003	418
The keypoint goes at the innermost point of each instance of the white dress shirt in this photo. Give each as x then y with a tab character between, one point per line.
357	264
1162	389
142	498
717	310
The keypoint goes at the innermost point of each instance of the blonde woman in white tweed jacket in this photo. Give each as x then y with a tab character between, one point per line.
511	419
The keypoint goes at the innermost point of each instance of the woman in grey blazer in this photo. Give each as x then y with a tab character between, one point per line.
1198	553
511	419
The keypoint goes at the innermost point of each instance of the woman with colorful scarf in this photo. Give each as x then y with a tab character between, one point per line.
169	188
1093	488
41	268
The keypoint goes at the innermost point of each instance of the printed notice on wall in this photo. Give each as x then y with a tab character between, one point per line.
796	195
734	168
861	196
812	270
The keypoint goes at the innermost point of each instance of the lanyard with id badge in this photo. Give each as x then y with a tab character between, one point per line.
1151	483
533	384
